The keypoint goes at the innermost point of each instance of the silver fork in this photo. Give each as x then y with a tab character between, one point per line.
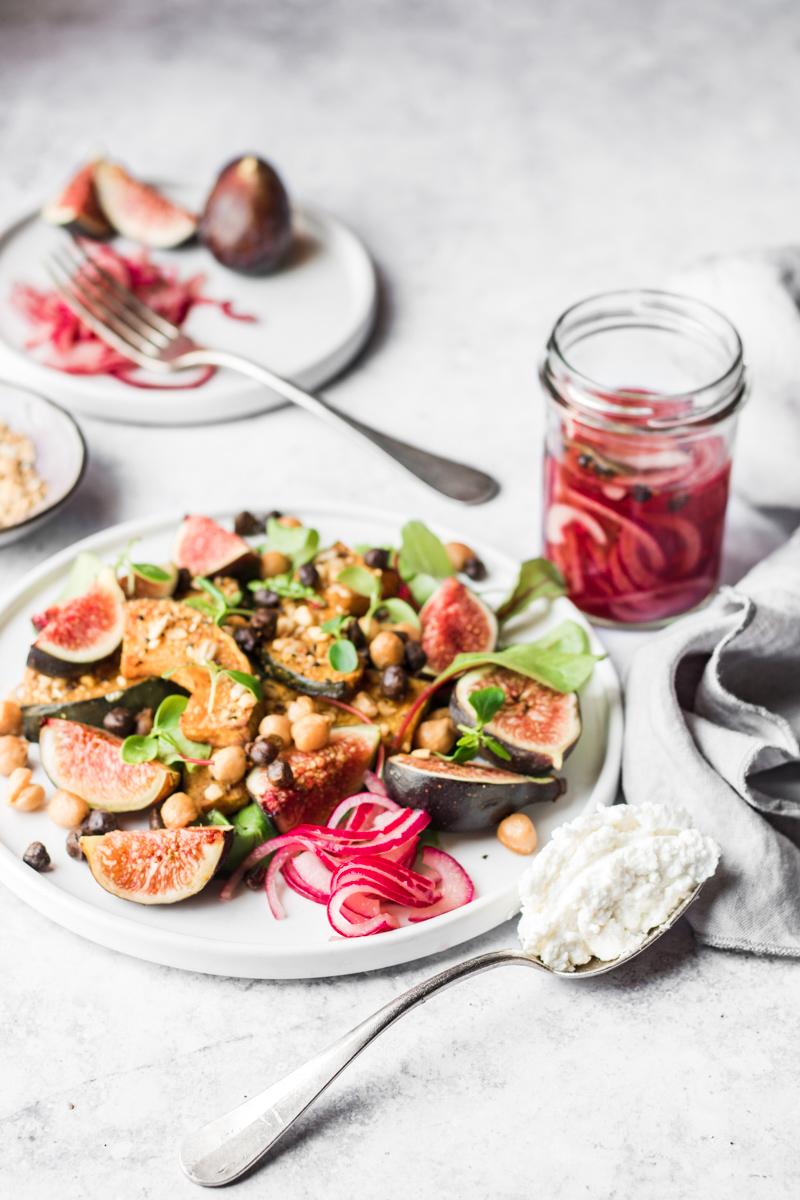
122	321
228	1147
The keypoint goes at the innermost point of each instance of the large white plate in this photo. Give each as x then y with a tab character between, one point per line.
314	315
241	938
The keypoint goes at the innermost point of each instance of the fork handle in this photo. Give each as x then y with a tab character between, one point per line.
453	479
226	1148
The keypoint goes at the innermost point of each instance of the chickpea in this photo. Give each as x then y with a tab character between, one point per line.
459	555
19	780
303	706
13	753
412	632
277	726
30	799
386	650
67	809
290	522
369	627
365	704
437	736
518	833
10	717
213	793
228	765
311	732
178	811
274	563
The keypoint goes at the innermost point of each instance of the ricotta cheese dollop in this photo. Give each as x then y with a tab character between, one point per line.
608	878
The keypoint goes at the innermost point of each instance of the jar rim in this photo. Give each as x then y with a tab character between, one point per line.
730	384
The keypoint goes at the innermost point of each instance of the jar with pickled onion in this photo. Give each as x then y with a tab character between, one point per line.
643	391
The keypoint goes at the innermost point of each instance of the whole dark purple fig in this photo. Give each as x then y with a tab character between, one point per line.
247	222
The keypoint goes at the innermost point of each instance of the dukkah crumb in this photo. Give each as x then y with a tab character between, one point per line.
22	491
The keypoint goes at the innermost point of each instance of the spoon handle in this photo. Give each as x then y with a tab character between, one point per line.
225	1148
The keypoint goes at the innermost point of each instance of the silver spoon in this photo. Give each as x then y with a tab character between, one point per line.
227	1147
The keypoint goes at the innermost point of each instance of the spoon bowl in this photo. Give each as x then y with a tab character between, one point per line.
233	1144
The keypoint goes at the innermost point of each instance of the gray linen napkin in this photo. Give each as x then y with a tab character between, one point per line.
713	716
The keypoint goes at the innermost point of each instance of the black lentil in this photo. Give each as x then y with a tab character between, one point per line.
264	622
640	493
266	598
246	524
414	657
246	639
394	683
280	773
475	569
308	575
74	845
377	557
120	721
98	823
36	856
355	634
265	750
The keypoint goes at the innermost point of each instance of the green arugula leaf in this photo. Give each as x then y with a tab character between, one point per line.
561	660
343	656
493	745
362	581
422	587
247	681
335	625
299	543
137	749
422	553
399	611
151	572
538	579
283	585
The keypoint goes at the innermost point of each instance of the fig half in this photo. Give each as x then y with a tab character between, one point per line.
247	222
140	212
455	621
81	632
87	762
537	726
203	547
156	866
77	207
463	797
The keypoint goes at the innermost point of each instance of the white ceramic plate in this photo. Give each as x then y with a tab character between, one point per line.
241	938
314	315
60	451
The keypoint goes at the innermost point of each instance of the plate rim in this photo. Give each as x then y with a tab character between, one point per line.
144	941
71	393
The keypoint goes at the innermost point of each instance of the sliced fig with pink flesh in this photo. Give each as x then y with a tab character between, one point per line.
203	547
81	632
156	866
87	762
463	797
77	207
321	778
140	212
537	726
455	621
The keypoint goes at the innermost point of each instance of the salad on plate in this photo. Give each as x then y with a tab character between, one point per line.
271	712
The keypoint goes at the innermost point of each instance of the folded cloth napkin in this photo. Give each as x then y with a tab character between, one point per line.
713	716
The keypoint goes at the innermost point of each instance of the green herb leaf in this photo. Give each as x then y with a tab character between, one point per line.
219	606
360	580
137	749
299	544
151	572
487	702
343	656
173	746
561	660
335	625
399	611
422	587
422	553
538	579
248	681
283	585
493	745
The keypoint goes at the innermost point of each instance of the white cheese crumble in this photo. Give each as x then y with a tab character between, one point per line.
608	878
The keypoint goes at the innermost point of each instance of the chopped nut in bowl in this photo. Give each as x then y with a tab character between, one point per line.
42	460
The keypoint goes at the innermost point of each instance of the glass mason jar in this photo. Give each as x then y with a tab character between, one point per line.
643	391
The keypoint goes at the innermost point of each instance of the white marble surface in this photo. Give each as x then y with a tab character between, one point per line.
500	161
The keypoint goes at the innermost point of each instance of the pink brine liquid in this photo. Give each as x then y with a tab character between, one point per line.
635	523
